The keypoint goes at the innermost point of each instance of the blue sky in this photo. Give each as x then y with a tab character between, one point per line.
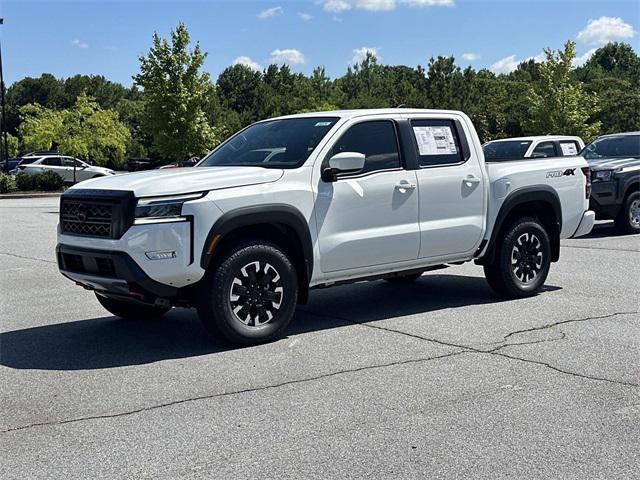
106	37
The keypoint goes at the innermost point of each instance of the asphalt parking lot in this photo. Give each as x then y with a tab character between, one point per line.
439	379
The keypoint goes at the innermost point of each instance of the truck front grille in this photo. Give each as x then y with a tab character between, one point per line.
91	219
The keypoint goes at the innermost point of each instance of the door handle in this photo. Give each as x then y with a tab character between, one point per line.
471	180
404	185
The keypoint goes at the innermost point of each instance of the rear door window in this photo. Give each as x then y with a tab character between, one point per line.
52	161
569	148
545	149
437	141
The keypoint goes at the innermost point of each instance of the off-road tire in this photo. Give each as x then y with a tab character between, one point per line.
131	310
522	260
224	315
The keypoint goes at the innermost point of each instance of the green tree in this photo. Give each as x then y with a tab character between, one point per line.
237	89
444	84
175	94
12	143
85	131
45	90
558	102
613	73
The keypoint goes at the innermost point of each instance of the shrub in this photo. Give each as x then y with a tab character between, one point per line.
48	181
24	181
7	183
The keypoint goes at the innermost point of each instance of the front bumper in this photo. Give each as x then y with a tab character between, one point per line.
115	273
133	249
586	224
604	199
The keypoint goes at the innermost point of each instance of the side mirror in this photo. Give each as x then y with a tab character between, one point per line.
343	162
539	155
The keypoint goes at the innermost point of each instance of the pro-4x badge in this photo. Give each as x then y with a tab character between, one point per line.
559	173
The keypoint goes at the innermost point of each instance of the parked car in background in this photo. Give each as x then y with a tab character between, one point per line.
192	162
70	169
138	164
13	163
532	147
615	165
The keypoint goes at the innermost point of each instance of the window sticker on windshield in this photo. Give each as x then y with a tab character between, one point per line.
322	124
569	149
435	140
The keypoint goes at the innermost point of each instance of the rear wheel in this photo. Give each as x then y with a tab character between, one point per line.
250	297
410	278
131	310
522	262
628	220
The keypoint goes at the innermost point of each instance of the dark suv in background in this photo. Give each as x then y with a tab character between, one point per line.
615	171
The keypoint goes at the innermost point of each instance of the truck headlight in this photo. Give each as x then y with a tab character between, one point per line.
162	209
602	175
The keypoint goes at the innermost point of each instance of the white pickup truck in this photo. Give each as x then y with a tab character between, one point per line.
315	200
541	146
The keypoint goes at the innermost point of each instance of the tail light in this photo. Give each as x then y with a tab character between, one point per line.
587	186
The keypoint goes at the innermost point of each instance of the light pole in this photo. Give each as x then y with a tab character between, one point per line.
3	122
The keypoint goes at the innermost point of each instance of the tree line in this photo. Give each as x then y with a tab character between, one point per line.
174	110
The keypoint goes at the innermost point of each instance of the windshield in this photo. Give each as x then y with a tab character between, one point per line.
285	143
28	160
499	151
613	147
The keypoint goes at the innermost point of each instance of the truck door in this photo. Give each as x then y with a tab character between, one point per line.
451	182
369	217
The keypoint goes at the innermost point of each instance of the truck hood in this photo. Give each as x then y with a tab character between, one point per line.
183	180
613	163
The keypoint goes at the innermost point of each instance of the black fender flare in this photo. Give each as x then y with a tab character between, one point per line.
261	214
534	193
630	184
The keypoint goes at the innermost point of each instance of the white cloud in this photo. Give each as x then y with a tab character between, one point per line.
584	58
336	18
375	5
510	63
247	62
605	29
305	16
79	43
429	3
337	6
287	55
505	65
359	54
270	12
539	58
471	56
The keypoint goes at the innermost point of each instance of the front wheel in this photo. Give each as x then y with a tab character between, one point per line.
628	220
522	261
251	296
130	310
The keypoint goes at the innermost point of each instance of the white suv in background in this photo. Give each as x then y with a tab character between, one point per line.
545	146
70	169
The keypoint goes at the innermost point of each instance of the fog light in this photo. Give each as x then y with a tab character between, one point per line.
161	255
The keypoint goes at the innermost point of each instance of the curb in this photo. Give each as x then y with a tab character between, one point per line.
29	195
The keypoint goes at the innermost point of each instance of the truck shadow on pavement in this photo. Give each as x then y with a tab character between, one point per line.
108	342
